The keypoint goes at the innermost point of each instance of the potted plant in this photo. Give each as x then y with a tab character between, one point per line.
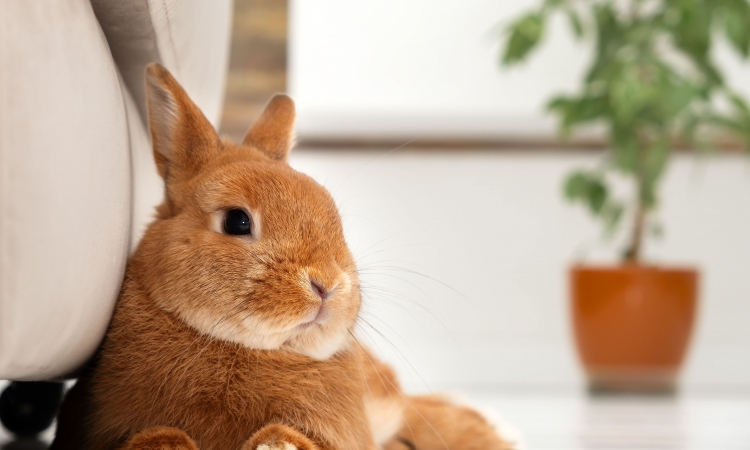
653	85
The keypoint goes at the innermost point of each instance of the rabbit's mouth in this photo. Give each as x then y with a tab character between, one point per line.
319	317
323	332
326	328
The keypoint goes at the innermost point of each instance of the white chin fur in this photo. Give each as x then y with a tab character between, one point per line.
250	333
316	342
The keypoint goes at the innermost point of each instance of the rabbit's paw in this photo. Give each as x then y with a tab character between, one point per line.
160	438
279	437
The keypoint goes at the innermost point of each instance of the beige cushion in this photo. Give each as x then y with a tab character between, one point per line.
64	186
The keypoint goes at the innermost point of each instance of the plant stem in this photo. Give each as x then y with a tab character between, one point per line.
633	252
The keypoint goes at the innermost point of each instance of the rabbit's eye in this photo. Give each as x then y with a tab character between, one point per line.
237	222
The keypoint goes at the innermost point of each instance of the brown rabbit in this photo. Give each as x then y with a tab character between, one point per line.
234	326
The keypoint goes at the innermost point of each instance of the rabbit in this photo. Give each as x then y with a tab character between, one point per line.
234	328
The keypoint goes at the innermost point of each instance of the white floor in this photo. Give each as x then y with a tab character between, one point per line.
575	422
571	421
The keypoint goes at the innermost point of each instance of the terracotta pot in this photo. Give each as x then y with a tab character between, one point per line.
633	324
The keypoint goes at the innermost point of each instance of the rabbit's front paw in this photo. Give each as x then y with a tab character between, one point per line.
279	437
278	445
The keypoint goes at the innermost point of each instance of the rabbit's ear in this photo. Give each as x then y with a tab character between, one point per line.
182	137
273	132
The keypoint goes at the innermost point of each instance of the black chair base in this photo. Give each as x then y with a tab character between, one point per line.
29	407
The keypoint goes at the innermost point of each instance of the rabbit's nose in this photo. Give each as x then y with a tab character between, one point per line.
320	290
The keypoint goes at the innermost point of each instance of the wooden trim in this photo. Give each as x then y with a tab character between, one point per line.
432	143
593	144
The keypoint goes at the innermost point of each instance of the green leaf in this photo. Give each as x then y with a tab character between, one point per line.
576	111
608	29
741	109
576	185
525	34
597	196
738	26
628	94
675	97
587	188
691	32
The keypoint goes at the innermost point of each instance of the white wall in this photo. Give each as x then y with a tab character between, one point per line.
464	258
429	68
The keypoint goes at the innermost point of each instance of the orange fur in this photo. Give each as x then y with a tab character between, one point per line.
433	423
223	341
